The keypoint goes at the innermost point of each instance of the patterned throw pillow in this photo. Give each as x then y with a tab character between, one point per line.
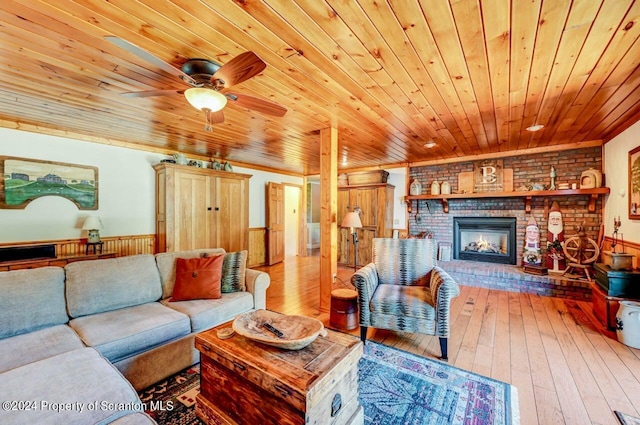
198	278
233	272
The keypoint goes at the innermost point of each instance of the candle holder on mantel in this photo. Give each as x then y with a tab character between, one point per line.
617	260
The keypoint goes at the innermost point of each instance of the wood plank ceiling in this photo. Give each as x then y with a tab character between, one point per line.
470	75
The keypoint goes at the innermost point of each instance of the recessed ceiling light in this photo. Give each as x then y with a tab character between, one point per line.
536	127
430	144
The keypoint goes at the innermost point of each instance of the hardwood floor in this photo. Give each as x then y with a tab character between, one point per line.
566	367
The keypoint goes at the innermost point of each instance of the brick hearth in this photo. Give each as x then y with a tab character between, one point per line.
511	278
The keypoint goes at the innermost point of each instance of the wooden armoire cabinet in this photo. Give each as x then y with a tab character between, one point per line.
201	208
376	206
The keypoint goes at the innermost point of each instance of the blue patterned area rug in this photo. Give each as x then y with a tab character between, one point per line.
397	387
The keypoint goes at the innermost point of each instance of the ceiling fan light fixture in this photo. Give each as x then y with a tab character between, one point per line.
203	98
536	127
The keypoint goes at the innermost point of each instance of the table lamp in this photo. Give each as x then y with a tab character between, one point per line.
92	225
352	221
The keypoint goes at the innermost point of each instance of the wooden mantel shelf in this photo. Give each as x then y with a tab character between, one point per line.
527	195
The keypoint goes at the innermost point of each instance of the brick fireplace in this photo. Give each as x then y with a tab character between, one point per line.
526	170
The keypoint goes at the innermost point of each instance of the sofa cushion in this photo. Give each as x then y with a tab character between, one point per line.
403	301
37	345
205	314
233	272
97	286
198	278
166	262
31	299
81	377
122	333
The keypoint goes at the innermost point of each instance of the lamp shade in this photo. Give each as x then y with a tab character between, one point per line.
351	219
205	98
92	223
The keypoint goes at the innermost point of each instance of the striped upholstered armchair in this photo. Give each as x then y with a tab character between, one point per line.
403	289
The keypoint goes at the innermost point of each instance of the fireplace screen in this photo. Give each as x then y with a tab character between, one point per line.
484	242
489	239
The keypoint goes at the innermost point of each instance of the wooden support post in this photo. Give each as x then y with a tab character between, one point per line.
328	214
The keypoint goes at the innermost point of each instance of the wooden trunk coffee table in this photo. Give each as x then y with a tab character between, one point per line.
246	382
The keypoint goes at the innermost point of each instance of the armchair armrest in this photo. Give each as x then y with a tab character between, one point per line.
257	283
443	290
365	281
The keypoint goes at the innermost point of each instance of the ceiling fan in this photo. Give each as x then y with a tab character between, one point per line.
207	79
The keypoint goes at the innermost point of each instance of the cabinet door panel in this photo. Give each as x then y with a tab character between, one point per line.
367	200
190	217
229	227
199	208
365	245
345	246
344	237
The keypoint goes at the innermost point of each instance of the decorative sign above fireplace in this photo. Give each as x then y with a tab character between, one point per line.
491	176
488	175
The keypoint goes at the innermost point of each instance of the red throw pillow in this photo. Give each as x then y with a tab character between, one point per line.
198	278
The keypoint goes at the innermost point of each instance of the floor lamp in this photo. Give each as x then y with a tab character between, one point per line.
352	221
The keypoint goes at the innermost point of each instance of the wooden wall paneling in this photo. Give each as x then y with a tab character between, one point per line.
389	76
632	248
528	66
120	245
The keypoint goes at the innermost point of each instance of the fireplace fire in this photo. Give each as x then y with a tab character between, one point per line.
488	239
483	245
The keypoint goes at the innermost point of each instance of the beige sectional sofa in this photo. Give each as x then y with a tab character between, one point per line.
69	337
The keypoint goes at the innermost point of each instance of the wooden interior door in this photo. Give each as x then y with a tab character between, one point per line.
275	223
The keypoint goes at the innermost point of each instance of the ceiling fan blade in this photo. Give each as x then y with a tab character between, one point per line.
143	54
257	104
216	117
149	93
239	69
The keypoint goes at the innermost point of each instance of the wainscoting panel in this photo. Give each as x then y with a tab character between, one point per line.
257	247
629	248
121	245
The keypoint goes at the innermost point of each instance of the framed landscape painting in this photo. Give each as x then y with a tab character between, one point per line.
22	180
634	184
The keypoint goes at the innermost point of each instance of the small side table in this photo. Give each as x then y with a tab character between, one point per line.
344	309
95	246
